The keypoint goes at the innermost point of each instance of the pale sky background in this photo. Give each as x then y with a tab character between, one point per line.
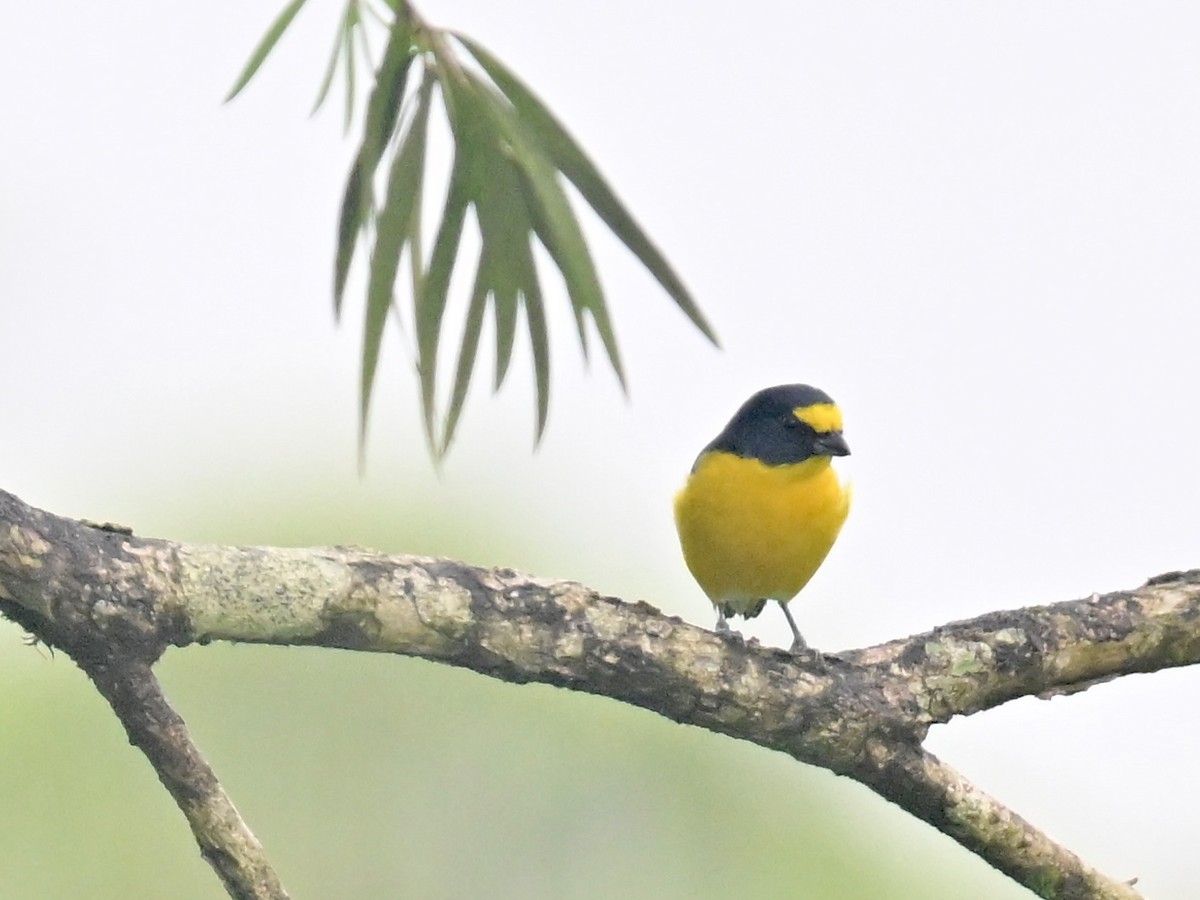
975	225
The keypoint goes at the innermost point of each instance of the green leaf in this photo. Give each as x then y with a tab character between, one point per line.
265	46
330	70
467	353
482	176
391	80
505	310
431	300
555	224
350	220
566	154
401	208
351	22
383	111
535	316
539	342
504	229
519	257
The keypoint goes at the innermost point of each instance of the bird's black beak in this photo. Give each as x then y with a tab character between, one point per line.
831	443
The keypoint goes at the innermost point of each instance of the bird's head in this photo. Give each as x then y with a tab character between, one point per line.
785	424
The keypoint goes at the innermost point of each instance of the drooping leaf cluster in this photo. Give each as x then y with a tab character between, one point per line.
512	160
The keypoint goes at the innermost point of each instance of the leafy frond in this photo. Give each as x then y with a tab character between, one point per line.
265	46
512	163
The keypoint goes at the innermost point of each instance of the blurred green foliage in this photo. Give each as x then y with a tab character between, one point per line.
512	161
375	776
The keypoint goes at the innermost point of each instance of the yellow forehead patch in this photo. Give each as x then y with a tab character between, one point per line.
821	416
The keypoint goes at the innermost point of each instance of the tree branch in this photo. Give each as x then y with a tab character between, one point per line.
225	841
919	782
81	593
967	667
863	713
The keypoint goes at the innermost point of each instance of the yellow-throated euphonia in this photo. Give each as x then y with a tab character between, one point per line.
762	505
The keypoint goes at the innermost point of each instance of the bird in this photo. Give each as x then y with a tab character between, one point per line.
763	506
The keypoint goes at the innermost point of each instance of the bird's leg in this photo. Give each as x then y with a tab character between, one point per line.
722	625
798	642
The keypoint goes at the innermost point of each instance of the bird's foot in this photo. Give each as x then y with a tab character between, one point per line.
725	631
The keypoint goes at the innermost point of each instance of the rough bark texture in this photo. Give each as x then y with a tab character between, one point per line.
103	595
91	593
225	841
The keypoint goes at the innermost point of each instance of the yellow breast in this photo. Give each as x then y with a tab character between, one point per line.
750	531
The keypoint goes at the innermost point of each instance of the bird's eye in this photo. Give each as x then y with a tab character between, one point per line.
790	422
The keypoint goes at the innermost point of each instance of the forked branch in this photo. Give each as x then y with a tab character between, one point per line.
100	593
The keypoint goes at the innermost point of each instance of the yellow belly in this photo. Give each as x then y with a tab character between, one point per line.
752	532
